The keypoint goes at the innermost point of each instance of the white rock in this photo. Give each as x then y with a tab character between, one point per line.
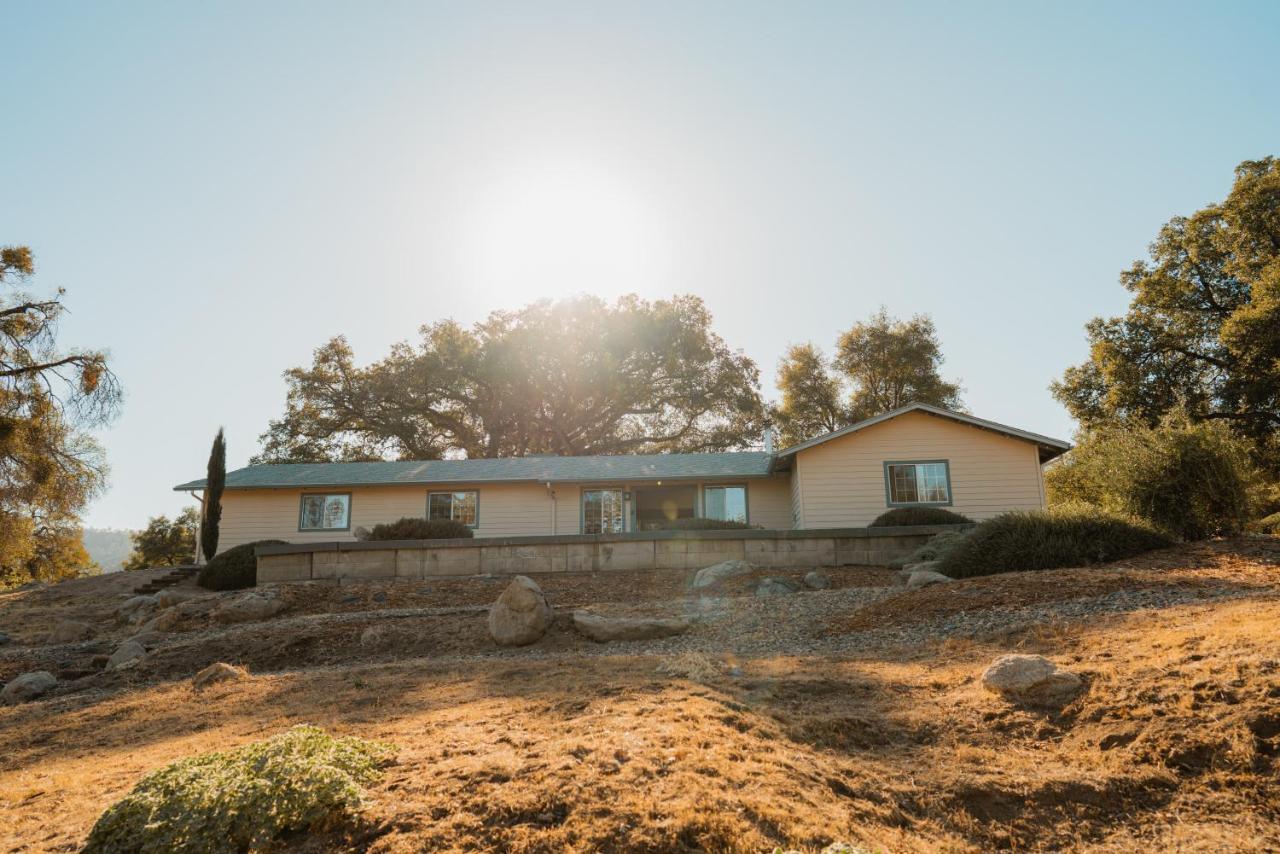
1031	680
816	581
171	596
126	655
247	608
216	673
777	587
166	621
28	686
136	609
70	631
605	629
521	615
924	578
714	574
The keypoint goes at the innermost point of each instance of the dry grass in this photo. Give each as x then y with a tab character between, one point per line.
1173	747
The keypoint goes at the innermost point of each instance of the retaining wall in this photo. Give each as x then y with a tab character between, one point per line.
356	561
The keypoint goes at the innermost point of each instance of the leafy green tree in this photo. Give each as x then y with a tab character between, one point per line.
880	365
1202	332
573	377
49	467
216	481
812	396
891	363
1191	479
164	542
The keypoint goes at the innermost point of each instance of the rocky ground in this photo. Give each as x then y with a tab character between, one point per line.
852	713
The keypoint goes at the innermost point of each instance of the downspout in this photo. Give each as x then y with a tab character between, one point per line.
554	515
200	526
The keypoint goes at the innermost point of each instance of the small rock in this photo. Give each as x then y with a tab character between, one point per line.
195	607
816	581
126	655
521	615
777	587
1031	680
380	597
171	596
98	662
603	629
70	631
166	621
246	609
216	673
709	576
4	638
28	686
378	635
924	578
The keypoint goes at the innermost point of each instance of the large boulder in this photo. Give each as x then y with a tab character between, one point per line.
777	587
709	576
170	596
923	578
521	615
248	608
605	629
136	609
1031	680
815	580
126	655
218	673
70	631
28	686
166	621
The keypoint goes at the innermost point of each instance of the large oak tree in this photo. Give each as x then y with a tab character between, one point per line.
1202	332
572	377
49	467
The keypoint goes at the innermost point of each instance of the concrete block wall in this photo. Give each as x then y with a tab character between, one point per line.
684	550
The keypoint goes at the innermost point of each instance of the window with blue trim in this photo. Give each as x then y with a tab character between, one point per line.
918	483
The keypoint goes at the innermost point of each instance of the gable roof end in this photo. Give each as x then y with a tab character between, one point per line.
1049	447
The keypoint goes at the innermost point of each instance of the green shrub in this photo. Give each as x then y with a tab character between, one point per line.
919	516
699	524
1191	480
417	528
242	799
1076	535
938	547
1266	525
234	569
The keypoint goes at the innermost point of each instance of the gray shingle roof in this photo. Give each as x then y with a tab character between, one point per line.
510	469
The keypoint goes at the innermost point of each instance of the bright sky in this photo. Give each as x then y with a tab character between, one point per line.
223	186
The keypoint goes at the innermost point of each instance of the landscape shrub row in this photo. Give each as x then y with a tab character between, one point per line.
919	516
417	528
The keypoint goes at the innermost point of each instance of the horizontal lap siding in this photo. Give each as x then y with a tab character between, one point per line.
769	503
844	478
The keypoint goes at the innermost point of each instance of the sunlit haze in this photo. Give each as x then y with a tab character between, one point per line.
223	187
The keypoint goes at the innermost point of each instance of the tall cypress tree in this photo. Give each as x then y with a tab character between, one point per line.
216	480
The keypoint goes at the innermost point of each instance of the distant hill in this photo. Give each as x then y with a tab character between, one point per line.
108	547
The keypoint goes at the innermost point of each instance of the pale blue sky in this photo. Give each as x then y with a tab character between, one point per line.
223	186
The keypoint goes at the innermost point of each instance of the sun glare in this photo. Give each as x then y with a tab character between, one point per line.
561	228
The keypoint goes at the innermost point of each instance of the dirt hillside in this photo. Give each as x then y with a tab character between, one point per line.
854	713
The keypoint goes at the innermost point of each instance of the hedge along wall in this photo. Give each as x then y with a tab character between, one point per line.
343	562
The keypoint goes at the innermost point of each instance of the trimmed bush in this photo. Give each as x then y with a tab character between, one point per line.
1266	525
243	799
234	569
919	516
417	528
1191	480
938	547
1050	539
698	524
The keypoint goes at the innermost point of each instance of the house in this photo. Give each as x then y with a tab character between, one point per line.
917	455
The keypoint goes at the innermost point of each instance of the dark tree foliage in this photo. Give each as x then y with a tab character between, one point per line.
415	528
49	467
919	516
880	365
216	480
1202	332
164	542
572	377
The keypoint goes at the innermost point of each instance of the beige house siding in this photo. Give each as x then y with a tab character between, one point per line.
843	479
769	503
